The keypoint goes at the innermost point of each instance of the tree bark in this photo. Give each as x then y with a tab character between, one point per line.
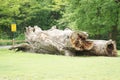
114	30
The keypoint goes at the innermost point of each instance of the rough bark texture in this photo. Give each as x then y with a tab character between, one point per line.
64	42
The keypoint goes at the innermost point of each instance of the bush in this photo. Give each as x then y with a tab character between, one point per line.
20	37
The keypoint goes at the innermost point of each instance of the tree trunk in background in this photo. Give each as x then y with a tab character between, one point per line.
114	33
114	30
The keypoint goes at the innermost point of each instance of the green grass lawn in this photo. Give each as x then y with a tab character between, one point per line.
27	66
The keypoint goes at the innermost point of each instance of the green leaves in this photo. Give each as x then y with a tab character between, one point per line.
43	13
95	16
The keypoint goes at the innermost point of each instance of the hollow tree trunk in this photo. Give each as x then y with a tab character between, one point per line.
64	42
101	48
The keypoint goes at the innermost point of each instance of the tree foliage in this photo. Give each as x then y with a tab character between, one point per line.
95	16
27	13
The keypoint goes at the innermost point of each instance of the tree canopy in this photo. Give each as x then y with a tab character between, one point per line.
95	16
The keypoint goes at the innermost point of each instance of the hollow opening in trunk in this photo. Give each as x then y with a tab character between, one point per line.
110	48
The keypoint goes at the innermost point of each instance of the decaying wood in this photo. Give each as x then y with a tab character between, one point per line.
79	41
64	42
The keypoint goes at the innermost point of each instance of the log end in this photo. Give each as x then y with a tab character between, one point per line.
111	48
79	41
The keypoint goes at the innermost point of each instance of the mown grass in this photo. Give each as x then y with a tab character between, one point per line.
28	66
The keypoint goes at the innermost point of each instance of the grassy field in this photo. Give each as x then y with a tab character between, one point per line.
27	66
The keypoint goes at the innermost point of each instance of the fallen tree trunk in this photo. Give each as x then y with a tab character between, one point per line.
64	42
101	48
106	48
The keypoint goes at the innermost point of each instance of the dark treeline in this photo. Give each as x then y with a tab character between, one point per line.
100	18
